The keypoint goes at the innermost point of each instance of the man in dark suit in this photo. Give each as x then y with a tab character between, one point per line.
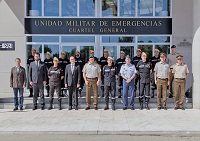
72	81
38	77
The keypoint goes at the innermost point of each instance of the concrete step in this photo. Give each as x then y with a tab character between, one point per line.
80	99
83	105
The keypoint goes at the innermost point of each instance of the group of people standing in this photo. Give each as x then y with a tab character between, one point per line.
130	73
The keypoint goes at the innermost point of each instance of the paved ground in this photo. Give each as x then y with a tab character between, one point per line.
98	122
66	137
101	125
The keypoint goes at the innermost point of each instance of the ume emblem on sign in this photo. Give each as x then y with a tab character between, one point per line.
7	45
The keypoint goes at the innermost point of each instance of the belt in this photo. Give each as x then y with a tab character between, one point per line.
92	78
180	78
163	78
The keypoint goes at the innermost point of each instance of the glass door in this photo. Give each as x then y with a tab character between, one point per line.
112	50
147	49
69	50
85	52
128	50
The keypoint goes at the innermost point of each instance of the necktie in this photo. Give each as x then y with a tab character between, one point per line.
72	68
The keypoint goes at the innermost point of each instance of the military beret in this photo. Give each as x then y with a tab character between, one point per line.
163	54
127	56
55	59
91	56
179	57
173	46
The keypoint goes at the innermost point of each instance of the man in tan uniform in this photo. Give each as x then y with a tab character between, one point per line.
161	77
91	75
180	71
171	60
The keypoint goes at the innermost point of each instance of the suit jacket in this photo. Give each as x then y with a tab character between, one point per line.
18	79
72	79
37	74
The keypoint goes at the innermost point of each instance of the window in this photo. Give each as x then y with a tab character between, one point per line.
117	39
109	8
42	38
51	8
145	7
153	39
87	39
87	8
34	7
162	8
69	7
127	8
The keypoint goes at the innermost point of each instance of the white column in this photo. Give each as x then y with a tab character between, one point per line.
196	54
196	69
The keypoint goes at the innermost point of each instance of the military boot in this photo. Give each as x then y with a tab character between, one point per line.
106	107
51	105
147	106
59	105
113	105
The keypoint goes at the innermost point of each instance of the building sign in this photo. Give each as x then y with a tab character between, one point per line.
7	45
98	26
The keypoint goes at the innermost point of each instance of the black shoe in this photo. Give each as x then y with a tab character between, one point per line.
21	109
132	108
50	108
170	95
95	108
34	108
87	108
175	108
124	108
113	107
106	107
70	108
47	95
30	95
147	106
15	109
141	106
119	96
42	108
159	108
182	108
165	108
59	108
76	107
152	96
102	95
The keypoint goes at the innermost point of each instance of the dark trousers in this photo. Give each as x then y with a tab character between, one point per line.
146	87
58	92
120	83
136	79
20	103
73	94
110	89
38	87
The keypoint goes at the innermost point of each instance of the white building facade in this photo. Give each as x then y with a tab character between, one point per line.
21	23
